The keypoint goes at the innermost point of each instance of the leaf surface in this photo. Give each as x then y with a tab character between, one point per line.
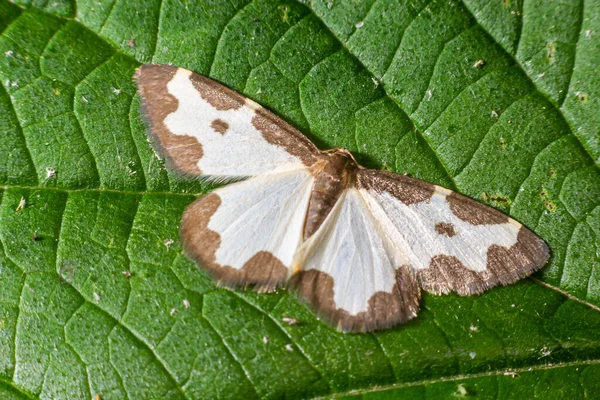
498	100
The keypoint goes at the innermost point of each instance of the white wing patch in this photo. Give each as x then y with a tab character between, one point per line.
233	146
351	249
413	228
265	213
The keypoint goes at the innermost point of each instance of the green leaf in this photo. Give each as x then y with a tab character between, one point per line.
499	100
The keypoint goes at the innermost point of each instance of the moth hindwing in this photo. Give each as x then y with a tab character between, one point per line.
359	245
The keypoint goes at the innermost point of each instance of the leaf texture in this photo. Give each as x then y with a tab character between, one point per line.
95	295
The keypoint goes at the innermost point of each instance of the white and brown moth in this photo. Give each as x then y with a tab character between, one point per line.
357	244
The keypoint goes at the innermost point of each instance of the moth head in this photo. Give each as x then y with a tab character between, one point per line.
341	153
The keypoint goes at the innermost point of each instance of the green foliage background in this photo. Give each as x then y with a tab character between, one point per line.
396	83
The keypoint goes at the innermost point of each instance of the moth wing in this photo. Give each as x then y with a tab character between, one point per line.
453	242
206	129
247	232
351	273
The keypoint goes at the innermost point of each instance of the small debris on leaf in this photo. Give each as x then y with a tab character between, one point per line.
290	321
50	173
22	204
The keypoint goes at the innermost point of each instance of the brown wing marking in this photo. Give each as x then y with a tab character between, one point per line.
279	133
504	266
217	95
263	270
406	189
183	152
474	212
385	309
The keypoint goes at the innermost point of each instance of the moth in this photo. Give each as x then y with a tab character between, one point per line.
359	245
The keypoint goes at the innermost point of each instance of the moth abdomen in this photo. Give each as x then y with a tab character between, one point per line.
333	174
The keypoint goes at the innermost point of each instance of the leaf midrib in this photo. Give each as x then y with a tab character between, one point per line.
455	378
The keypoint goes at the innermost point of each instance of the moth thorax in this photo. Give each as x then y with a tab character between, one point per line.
335	172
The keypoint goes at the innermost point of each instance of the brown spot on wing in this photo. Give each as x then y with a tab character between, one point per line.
182	152
504	266
219	126
445	228
384	309
407	190
474	212
279	133
217	95
200	243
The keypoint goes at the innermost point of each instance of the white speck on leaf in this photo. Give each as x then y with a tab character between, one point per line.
473	328
116	91
265	340
290	321
50	172
479	63
494	114
22	204
173	311
130	167
96	296
461	391
359	25
168	243
84	99
9	53
545	352
472	354
186	303
289	347
429	94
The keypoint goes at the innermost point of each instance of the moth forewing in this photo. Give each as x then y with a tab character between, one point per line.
206	129
453	242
